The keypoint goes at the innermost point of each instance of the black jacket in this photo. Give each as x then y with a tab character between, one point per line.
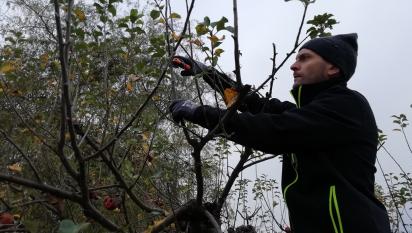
329	142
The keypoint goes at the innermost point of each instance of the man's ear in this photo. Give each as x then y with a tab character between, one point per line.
333	71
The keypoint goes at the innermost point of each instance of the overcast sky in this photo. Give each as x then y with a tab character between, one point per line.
383	73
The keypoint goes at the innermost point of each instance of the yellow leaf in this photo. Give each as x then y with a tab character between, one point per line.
8	52
156	98
15	167
134	78
175	36
230	96
175	15
197	42
44	58
8	67
213	38
125	56
129	86
145	148
146	135
161	20
218	52
3	193
17	216
67	136
80	14
16	93
37	141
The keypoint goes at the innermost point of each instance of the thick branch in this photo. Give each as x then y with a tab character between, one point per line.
212	220
42	187
172	217
63	98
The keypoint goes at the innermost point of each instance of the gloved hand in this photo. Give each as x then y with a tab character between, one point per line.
183	109
190	67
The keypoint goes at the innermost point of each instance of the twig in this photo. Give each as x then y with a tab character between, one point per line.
258	161
236	41
235	173
281	64
26	157
391	194
119	177
272	76
301	23
406	139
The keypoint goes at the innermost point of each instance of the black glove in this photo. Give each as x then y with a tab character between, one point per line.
183	109
190	67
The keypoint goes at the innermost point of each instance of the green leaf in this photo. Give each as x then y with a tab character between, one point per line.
133	15
114	1
206	21
102	1
201	29
68	226
175	16
138	30
155	14
99	8
230	29
221	23
112	10
103	18
123	25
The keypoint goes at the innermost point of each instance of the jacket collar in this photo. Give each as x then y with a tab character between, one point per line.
304	94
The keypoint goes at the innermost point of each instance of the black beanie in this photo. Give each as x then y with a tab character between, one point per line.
340	50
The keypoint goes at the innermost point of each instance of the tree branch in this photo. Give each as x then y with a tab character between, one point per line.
42	187
236	41
235	173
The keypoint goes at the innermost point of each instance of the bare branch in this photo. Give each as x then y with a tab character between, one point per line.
258	161
65	88
42	187
236	41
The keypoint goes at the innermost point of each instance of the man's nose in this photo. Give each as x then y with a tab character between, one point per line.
294	66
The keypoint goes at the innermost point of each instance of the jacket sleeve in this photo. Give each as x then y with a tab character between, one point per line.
254	104
326	122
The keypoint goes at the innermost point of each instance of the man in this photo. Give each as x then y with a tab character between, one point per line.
328	139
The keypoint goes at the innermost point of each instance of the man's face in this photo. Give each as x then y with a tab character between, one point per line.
310	68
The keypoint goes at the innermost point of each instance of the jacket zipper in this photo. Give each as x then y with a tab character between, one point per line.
334	208
293	156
